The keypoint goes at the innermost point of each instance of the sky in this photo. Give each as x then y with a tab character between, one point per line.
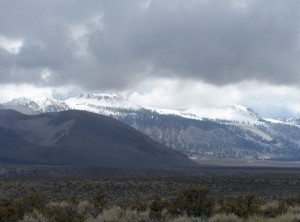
168	54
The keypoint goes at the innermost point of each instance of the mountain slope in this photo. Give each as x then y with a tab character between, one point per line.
80	137
218	139
236	113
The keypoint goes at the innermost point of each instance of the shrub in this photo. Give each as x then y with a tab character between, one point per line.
293	201
193	202
274	208
99	202
63	212
32	201
242	206
138	204
8	213
157	206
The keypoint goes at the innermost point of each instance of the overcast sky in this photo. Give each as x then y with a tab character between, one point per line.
171	53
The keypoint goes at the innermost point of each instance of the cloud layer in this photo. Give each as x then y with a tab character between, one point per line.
113	44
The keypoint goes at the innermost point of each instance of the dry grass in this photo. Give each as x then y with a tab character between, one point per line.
35	216
225	218
115	214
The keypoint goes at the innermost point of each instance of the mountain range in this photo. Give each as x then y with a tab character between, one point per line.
230	132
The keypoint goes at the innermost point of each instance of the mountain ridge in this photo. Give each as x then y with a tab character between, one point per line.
92	101
236	132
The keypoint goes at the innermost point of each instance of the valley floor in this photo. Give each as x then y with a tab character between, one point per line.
248	163
128	184
62	193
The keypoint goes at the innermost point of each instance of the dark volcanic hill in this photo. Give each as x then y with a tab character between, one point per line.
80	138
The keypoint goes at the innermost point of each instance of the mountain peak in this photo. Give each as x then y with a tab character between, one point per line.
23	102
94	101
51	105
237	113
38	105
20	100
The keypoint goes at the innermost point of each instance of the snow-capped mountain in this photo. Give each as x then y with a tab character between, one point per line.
51	105
226	132
101	100
106	104
113	104
35	106
23	105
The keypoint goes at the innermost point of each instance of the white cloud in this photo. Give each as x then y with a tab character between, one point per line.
268	100
45	74
12	46
80	31
184	94
239	4
146	4
11	91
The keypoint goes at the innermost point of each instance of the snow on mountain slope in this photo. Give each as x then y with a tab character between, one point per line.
293	121
23	101
232	113
255	131
115	104
39	105
242	117
99	103
183	114
51	105
276	121
286	121
235	113
111	104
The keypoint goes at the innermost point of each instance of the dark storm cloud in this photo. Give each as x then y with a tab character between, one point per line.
220	42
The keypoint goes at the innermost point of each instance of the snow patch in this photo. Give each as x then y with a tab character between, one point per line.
234	113
256	131
91	102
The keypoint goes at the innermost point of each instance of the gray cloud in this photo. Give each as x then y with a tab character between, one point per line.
121	43
214	41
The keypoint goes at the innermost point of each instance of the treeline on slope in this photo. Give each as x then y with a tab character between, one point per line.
192	204
207	138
